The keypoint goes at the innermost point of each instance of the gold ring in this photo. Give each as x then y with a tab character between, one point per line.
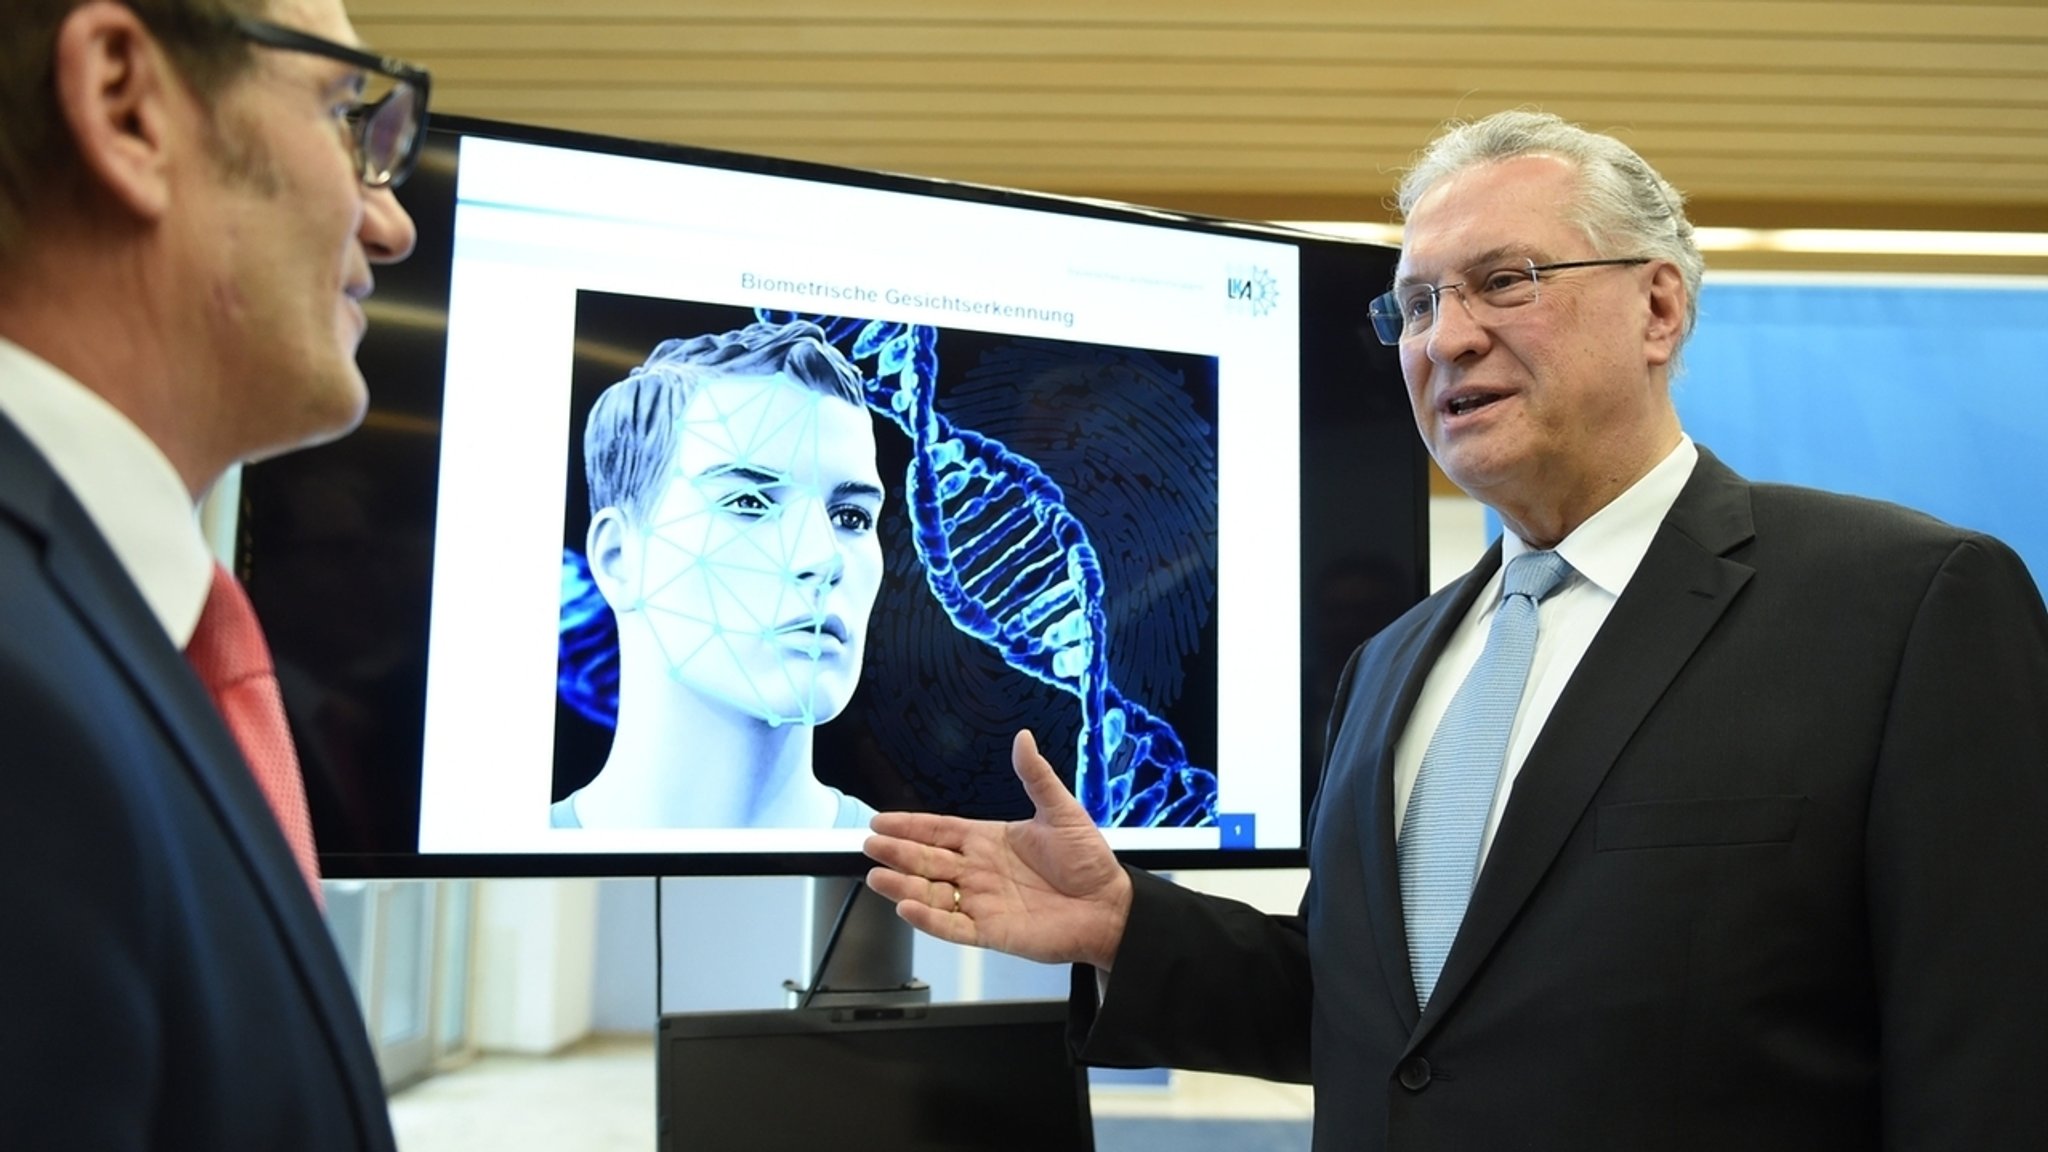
956	898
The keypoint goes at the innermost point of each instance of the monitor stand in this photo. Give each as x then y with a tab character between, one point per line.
869	960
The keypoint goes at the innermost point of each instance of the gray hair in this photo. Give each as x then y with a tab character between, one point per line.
1624	207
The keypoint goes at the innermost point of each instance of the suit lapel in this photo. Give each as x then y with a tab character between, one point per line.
1675	598
83	570
1407	664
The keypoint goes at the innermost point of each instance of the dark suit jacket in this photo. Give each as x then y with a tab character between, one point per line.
1770	878
166	981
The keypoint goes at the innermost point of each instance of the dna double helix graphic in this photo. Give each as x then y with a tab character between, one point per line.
1012	567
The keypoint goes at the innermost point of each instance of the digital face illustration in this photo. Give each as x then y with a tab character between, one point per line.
758	565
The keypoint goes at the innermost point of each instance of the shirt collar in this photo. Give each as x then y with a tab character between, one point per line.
125	482
1610	545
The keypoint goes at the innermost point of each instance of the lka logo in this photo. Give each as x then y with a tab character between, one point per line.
1252	290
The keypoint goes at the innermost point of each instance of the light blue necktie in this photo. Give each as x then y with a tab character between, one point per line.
1439	846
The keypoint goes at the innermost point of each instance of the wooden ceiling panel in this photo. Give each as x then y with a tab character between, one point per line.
1874	99
775	45
1934	114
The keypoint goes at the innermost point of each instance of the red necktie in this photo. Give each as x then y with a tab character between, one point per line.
228	652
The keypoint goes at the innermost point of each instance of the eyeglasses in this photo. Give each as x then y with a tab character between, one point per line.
386	122
1409	311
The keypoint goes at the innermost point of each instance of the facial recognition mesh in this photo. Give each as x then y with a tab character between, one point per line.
748	562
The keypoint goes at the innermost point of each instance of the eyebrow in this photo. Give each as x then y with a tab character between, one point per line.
759	477
762	478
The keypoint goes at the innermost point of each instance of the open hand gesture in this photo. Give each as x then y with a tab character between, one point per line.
1047	888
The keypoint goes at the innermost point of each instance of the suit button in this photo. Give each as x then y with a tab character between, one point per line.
1415	1074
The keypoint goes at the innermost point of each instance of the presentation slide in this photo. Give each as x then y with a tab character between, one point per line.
766	503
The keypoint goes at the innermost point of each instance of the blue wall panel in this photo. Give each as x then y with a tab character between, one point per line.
1927	393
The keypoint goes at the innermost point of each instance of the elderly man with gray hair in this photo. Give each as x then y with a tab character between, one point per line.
1700	814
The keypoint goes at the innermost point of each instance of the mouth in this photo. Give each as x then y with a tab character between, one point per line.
355	292
819	627
1466	401
352	308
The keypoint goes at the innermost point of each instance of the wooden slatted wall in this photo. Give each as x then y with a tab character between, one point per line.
1817	113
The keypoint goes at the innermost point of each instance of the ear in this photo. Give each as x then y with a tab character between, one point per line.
1665	328
115	89
613	551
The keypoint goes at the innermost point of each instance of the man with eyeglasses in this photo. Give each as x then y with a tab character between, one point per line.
1701	814
192	196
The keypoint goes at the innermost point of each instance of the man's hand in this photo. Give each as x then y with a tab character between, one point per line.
1046	889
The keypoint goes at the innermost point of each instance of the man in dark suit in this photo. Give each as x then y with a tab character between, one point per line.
191	197
1755	860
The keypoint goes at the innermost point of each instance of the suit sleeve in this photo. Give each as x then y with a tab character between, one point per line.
1958	879
1202	983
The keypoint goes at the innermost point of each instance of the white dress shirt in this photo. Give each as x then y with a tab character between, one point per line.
1604	553
123	479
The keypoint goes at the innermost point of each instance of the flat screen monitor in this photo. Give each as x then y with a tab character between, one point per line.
987	1077
708	503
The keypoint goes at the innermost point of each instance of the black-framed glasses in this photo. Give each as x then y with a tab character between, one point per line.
1409	311
388	122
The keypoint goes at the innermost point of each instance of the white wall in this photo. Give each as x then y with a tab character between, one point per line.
535	961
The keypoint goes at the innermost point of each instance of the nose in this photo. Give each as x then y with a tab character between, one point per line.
814	552
386	231
1456	332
